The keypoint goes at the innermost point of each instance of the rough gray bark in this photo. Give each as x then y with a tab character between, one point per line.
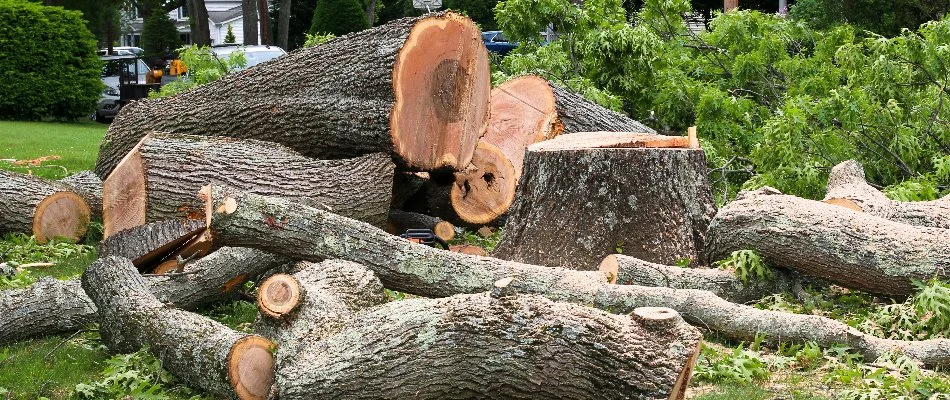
847	183
426	271
22	197
200	30
578	114
400	221
283	24
855	250
576	206
196	349
249	12
89	186
150	244
335	100
52	306
626	270
477	346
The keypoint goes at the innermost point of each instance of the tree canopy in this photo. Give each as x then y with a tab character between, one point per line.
338	17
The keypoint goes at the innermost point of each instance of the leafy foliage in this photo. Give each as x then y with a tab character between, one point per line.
203	67
136	375
747	265
316	39
739	366
159	35
891	377
480	11
338	17
229	37
886	17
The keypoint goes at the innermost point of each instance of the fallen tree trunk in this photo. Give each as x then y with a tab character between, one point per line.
584	195
400	221
855	250
52	306
41	208
416	88
196	349
625	270
426	271
524	111
475	346
89	186
158	179
149	245
847	187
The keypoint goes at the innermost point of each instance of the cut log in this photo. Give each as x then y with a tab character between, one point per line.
587	195
477	346
199	351
625	270
855	250
52	306
41	208
400	221
468	249
152	244
165	171
89	186
524	111
847	187
416	88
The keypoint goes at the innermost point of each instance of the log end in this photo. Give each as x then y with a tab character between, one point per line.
846	203
617	140
468	249
279	295
657	317
123	194
166	267
611	268
61	214
523	112
444	230
481	196
251	367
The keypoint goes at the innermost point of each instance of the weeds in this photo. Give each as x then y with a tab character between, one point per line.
136	375
747	265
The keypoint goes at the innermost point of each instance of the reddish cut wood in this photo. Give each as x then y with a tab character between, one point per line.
123	194
279	295
486	193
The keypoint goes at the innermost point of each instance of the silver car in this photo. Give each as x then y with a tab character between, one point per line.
116	70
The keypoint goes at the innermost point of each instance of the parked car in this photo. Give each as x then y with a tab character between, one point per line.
122	51
117	70
496	42
254	54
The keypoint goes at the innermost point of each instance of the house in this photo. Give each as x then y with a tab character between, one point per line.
221	13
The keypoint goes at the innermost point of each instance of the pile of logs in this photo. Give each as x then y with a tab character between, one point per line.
337	149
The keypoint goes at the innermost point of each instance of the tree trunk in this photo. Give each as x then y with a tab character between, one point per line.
89	186
52	306
200	31
199	351
587	195
249	12
415	88
159	178
263	12
847	187
625	270
41	208
371	12
855	250
283	24
152	244
477	346
524	111
401	221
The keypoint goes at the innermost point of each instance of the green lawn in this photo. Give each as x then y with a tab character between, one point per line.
76	144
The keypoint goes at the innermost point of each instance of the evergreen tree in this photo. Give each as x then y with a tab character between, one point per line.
229	38
158	35
338	17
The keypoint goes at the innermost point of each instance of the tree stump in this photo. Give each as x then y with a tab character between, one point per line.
41	208
416	88
587	195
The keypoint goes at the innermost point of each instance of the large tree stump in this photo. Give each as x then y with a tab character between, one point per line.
848	187
196	349
41	208
587	195
416	88
512	347
159	178
89	186
524	111
52	306
856	250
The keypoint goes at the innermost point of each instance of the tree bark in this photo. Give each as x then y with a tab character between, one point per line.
625	270
151	244
89	186
855	250
283	24
52	306
416	88
847	187
400	221
200	30
524	111
512	347
159	178
249	12
587	195
41	208
264	17
371	12
196	349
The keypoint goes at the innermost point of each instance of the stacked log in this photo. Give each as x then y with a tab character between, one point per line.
151	244
89	186
41	208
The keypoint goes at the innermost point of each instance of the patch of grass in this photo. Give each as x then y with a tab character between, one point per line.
238	314
27	373
76	144
474	238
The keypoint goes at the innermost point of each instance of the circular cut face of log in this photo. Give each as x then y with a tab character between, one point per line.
522	112
483	196
846	203
251	367
441	81
610	267
62	214
444	230
279	295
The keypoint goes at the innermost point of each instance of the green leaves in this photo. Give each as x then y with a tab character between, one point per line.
747	264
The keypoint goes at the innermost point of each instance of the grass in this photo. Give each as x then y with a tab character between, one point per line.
26	371
76	144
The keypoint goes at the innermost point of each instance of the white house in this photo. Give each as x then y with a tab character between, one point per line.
221	13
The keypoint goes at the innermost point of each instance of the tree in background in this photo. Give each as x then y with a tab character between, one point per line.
159	35
480	11
338	17
200	30
229	37
395	9
249	12
885	17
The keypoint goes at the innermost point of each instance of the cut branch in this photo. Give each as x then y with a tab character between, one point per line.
400	221
89	186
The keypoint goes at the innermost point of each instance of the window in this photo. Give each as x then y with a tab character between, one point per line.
134	13
182	13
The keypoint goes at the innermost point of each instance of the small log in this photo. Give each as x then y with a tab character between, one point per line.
52	306
89	186
513	347
41	208
152	244
848	187
159	178
196	349
584	195
625	270
400	221
524	111
855	250
416	88
468	249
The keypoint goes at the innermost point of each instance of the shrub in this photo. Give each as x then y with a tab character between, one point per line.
49	68
338	17
229	38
